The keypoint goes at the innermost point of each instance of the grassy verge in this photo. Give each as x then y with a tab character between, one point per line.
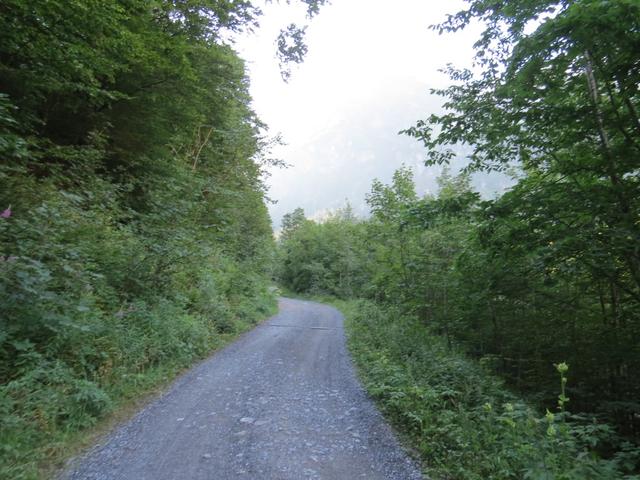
458	416
49	414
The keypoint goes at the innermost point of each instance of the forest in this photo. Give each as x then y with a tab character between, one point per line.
134	234
539	287
501	336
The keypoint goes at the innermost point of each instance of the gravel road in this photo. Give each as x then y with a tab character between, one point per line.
280	403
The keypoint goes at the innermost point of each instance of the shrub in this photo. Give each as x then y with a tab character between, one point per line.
462	420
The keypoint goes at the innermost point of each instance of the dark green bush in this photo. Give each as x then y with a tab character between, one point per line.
134	236
462	420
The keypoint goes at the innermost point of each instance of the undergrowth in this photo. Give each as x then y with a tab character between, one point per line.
461	419
53	400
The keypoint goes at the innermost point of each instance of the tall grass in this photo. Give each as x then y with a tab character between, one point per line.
52	401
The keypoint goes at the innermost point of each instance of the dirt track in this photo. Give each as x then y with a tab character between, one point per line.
281	403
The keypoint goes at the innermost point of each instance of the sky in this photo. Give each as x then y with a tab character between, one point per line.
367	75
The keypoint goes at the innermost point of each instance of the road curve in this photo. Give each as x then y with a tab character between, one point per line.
281	403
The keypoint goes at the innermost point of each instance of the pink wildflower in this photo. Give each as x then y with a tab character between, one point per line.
6	213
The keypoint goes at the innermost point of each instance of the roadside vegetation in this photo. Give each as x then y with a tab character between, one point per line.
459	416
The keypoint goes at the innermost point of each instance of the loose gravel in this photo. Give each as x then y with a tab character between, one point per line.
281	403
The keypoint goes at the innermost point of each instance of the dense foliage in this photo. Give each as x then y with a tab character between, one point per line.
459	417
134	235
557	96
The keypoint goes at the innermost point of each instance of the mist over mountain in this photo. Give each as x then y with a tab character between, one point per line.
340	162
359	85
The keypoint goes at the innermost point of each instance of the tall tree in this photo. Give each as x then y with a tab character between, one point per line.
555	93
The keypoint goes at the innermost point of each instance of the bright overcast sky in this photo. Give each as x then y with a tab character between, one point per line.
367	75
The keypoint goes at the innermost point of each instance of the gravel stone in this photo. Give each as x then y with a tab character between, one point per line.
289	384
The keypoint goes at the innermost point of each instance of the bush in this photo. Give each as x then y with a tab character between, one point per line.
460	418
94	311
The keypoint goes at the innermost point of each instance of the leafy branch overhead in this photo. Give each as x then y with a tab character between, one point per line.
291	40
291	49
